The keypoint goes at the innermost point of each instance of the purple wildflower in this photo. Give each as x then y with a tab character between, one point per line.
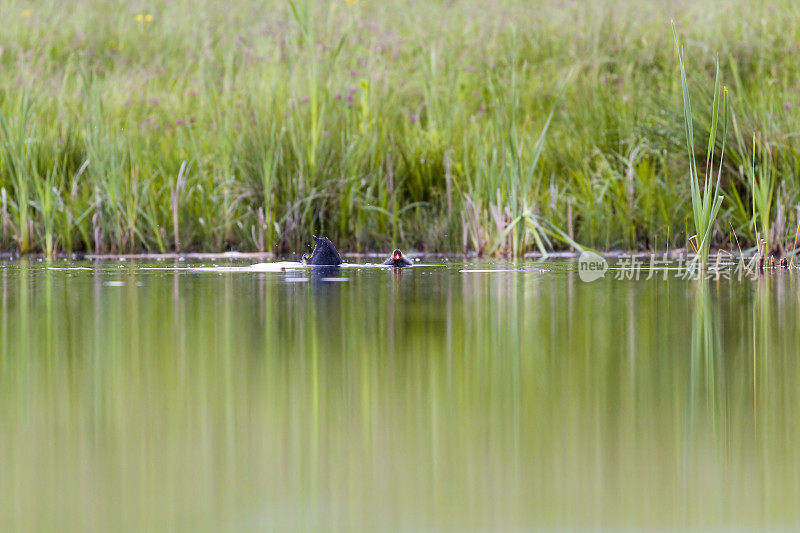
413	117
127	105
787	105
353	73
179	122
305	99
350	97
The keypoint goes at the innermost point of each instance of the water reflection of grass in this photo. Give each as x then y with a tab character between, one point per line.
430	400
737	385
707	400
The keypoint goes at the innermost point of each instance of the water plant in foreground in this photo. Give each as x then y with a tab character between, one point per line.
706	201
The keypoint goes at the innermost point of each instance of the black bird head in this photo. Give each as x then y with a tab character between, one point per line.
398	260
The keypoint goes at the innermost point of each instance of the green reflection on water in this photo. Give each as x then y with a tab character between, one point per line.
420	399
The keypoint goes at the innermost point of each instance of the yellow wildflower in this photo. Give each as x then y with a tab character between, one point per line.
148	18
351	3
139	18
27	12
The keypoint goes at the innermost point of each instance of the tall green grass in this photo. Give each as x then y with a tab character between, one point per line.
443	127
705	194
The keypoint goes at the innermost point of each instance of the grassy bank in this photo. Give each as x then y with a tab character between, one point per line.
488	126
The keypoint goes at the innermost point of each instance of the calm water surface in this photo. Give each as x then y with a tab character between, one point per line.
424	399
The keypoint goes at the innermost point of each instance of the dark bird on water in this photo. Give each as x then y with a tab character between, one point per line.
398	260
324	253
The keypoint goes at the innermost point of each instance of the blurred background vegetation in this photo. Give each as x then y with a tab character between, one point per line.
496	127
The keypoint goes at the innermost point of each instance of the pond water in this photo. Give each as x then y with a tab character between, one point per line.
145	396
